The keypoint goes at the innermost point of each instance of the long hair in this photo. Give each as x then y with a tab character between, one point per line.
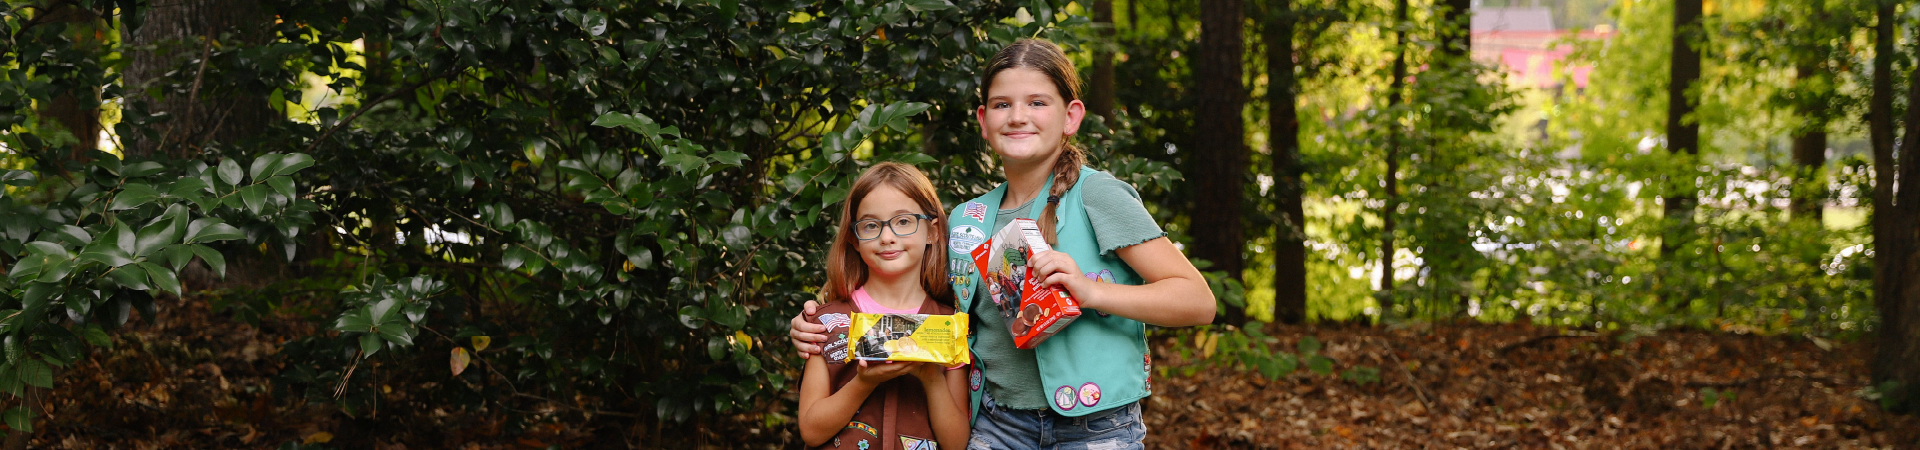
1046	58
846	271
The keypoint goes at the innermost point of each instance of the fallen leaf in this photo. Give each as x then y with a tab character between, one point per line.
459	360
481	342
319	438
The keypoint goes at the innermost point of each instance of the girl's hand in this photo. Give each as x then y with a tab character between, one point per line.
1056	268
876	372
929	373
807	337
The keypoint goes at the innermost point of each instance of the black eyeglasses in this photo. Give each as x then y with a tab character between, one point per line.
902	225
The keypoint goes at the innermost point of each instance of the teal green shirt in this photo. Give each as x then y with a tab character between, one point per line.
1119	220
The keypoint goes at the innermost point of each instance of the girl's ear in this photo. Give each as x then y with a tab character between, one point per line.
1076	110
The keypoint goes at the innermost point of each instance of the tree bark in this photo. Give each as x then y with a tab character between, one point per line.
1395	97
1683	135
1896	226
1100	93
1219	155
1283	131
1810	140
182	33
1456	31
77	112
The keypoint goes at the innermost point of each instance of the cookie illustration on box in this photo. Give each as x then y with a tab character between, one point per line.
1033	312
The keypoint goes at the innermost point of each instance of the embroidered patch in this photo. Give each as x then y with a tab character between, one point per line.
836	320
976	210
962	239
914	443
863	444
1064	398
857	425
1089	394
974	377
1104	276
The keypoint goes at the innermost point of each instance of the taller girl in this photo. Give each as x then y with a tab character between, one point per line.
1082	387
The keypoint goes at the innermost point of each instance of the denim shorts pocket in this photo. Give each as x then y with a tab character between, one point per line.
1115	419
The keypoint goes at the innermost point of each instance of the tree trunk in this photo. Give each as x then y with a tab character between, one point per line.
1683	135
1100	93
1283	131
1456	31
1387	211
1809	157
77	112
1219	151
184	33
1896	226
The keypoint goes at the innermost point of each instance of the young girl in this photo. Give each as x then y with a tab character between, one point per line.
889	257
1082	387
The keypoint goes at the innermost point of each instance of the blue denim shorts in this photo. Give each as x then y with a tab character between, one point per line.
999	428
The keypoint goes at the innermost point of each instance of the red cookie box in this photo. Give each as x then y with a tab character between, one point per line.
1033	312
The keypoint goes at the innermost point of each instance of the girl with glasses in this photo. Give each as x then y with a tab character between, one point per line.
887	258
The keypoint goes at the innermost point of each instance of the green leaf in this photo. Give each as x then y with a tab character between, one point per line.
20	419
133	195
261	165
383	311
397	334
18	178
155	235
96	336
928	5
74	235
141	169
255	197
34	371
291	163
208	229
131	277
1320	365
214	260
16	349
370	344
230	172
187	187
1309	345
692	316
282	185
106	254
729	158
594	22
683	163
355	320
163	278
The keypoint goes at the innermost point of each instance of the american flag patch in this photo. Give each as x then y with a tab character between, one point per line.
976	210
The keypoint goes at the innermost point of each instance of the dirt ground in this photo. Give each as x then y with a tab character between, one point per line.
196	379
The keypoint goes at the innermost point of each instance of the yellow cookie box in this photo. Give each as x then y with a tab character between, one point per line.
933	338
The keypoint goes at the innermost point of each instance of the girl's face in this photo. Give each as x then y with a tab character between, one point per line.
901	242
1026	119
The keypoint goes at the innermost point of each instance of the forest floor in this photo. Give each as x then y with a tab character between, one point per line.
197	379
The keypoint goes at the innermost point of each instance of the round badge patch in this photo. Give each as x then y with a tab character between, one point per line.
1064	398
974	378
962	239
1089	394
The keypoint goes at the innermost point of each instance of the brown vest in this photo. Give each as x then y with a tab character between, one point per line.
894	417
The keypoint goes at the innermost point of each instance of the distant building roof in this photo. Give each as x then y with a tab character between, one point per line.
1512	19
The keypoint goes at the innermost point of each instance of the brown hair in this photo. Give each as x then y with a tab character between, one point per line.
1046	58
846	271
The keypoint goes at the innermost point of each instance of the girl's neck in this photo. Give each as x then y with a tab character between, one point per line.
1025	181
901	292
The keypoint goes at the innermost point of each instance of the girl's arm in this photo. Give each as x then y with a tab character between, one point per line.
823	412
1174	296
947	400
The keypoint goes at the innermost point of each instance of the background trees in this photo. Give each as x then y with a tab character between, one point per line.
624	202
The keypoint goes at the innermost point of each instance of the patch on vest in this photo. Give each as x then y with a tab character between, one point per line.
858	425
914	443
1064	398
1089	394
974	378
962	239
976	210
1104	276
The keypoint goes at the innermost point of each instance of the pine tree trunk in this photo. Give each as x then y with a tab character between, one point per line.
1896	227
1219	151
1395	97
1283	125
1683	135
183	33
1100	92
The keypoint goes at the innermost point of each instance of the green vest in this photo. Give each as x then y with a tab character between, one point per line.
1090	366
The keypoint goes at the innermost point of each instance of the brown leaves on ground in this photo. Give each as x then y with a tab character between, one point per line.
1484	386
197	379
